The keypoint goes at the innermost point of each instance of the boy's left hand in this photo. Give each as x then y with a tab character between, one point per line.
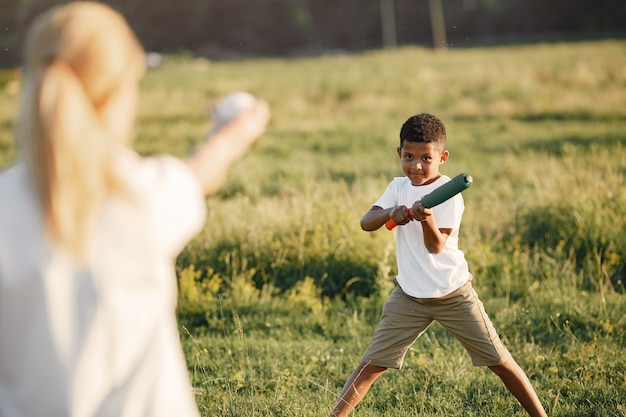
420	213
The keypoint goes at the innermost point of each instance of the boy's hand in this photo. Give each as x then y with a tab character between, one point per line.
419	212
401	215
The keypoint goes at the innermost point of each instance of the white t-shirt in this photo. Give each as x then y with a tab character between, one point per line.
100	340
420	273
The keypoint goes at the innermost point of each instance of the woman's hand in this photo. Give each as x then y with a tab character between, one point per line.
212	161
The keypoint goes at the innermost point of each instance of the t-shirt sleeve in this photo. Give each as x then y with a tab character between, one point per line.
177	202
389	197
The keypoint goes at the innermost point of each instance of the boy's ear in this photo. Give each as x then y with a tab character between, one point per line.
444	157
399	150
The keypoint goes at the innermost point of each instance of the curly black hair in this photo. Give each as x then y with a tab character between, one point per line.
424	128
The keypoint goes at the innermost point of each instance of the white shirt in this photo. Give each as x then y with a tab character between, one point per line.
420	273
100	340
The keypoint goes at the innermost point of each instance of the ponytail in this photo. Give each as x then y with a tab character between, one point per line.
67	153
77	56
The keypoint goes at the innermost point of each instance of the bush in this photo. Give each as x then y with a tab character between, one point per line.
589	233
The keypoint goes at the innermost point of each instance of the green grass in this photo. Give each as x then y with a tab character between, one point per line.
281	292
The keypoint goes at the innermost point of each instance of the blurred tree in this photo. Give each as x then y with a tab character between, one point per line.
236	28
303	19
438	24
9	37
388	22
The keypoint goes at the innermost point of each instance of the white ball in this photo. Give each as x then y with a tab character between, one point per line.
230	106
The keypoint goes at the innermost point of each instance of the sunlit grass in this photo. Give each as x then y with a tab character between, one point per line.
281	291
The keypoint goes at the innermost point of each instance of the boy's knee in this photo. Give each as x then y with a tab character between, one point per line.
376	368
367	370
498	369
509	368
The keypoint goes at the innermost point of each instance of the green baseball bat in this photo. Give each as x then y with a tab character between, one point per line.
440	194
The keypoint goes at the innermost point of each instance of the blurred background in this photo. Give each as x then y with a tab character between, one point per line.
231	29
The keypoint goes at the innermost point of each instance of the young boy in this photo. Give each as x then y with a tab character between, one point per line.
433	281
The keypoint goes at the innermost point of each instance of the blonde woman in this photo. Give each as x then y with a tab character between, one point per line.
89	230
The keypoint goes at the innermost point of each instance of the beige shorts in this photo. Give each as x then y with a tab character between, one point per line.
405	318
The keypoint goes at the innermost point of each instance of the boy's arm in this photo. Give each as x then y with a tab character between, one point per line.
378	216
434	238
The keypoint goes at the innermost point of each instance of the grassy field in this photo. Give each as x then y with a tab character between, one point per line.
281	292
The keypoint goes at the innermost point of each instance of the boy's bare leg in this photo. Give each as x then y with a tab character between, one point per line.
517	382
355	388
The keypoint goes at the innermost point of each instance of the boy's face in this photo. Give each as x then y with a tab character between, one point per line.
420	161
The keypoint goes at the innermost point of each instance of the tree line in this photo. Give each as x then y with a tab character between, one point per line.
222	29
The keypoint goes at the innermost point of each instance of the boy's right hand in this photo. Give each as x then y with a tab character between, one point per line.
401	215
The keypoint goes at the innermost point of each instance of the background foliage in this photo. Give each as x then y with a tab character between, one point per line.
220	29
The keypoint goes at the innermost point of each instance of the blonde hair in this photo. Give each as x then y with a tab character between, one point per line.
76	56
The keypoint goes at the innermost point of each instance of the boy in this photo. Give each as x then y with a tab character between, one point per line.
433	281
